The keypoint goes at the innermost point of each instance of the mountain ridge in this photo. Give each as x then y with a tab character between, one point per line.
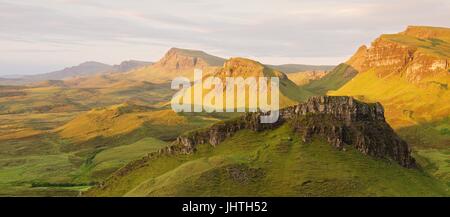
88	68
285	157
410	75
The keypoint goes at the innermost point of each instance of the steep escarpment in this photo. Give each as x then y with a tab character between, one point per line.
343	121
408	72
317	148
179	59
176	62
420	56
415	54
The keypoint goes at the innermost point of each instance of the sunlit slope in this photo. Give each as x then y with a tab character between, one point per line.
289	92
408	72
405	103
293	68
303	78
333	80
176	62
116	120
270	163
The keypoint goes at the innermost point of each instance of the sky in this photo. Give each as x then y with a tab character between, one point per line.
38	36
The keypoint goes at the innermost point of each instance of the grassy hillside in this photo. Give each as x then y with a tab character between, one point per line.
408	73
333	80
303	78
431	142
405	103
116	120
292	68
50	148
289	92
267	164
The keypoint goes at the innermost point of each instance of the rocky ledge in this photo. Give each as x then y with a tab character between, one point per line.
342	120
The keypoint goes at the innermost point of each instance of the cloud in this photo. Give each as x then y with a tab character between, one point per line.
73	31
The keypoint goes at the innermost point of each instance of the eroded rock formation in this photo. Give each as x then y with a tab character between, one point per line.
343	121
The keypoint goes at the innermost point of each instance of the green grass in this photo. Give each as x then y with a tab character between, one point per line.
271	163
111	159
433	46
335	79
437	163
48	165
431	135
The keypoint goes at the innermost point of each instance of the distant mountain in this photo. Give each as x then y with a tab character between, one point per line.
129	65
333	80
408	72
177	62
290	93
184	58
84	69
306	77
182	62
291	68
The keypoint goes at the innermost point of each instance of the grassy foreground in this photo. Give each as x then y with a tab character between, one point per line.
270	163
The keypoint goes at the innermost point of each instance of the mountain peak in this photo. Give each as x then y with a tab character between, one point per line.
242	62
92	63
178	58
128	65
239	66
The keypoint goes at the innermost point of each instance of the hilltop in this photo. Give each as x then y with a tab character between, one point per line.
235	67
327	146
176	62
182	62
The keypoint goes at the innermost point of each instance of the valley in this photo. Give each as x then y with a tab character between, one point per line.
104	130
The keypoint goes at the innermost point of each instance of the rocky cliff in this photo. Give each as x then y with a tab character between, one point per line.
181	59
416	54
408	72
343	121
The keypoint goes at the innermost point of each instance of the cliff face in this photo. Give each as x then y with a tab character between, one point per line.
181	59
175	60
416	54
343	121
408	72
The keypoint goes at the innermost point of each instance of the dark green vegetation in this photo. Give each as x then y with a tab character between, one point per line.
36	159
431	142
268	163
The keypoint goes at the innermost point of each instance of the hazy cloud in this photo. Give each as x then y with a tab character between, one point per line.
44	35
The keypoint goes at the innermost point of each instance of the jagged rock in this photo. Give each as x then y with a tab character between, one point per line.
339	119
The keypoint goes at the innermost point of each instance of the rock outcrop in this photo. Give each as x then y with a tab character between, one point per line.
343	121
416	54
181	59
